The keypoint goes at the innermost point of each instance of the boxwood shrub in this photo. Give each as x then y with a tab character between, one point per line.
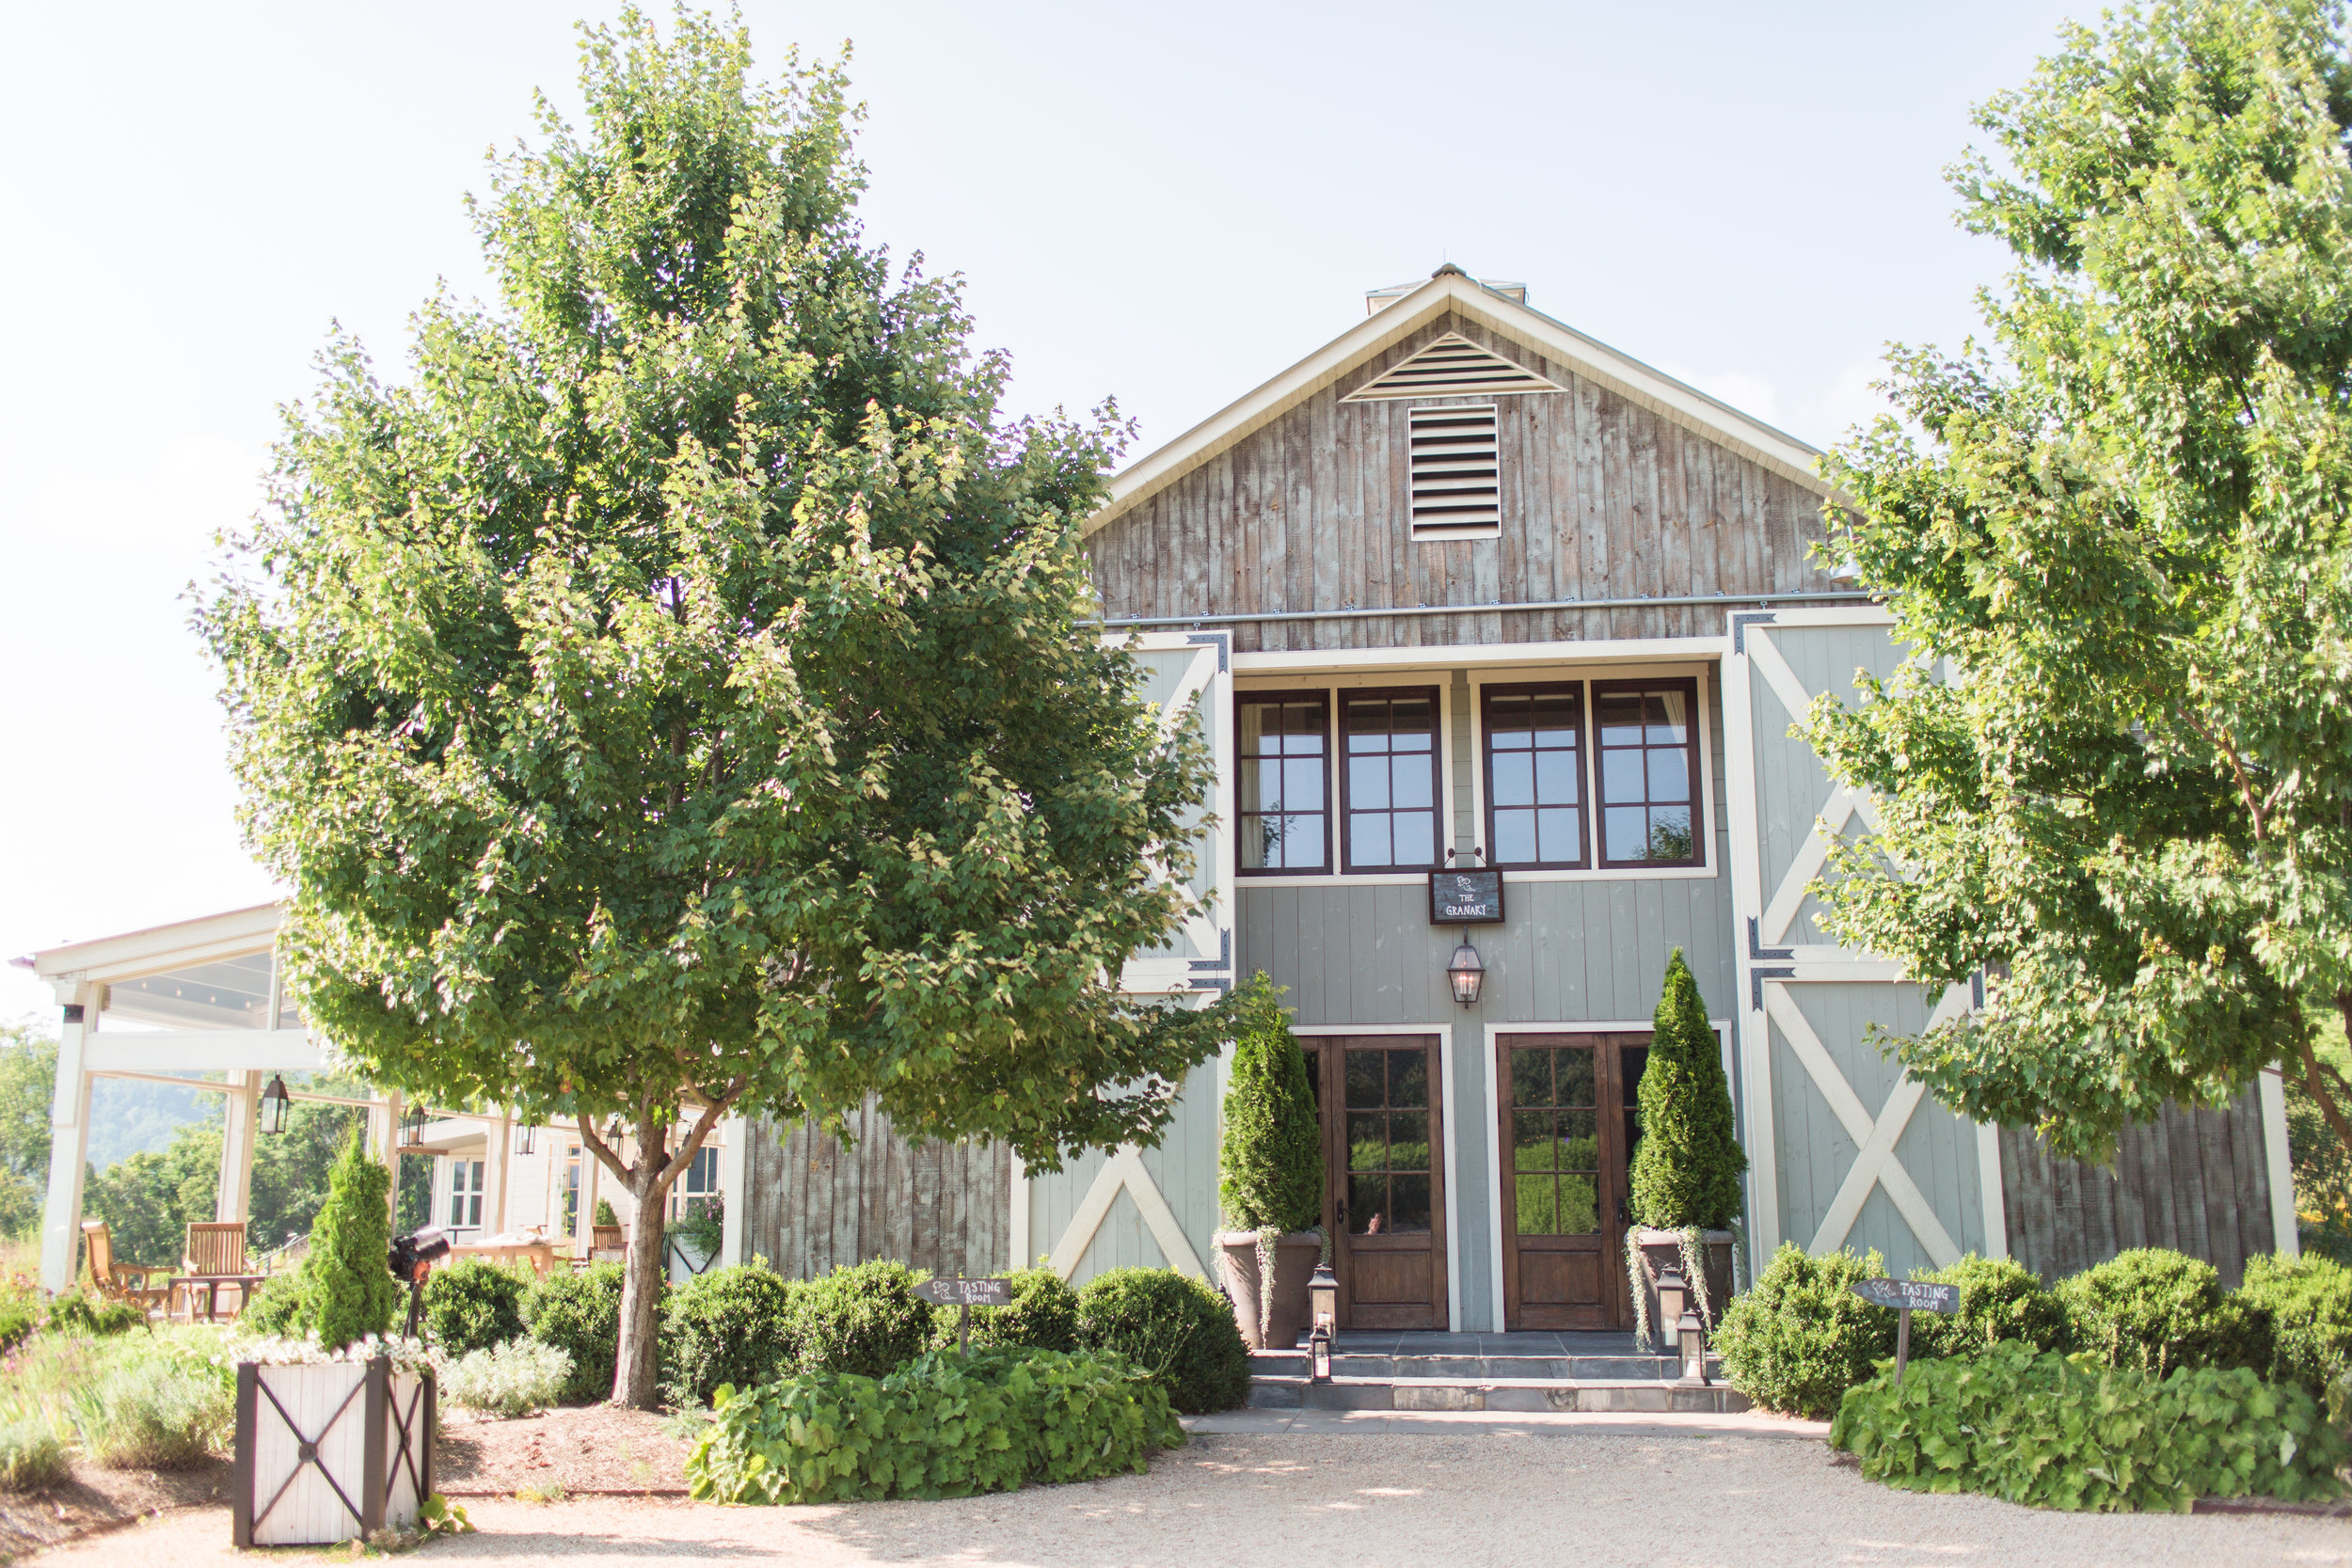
579	1314
1044	1314
865	1319
943	1426
2153	1309
1800	1337
2071	1432
731	1325
276	1307
2309	1302
1999	1299
1179	1329
474	1303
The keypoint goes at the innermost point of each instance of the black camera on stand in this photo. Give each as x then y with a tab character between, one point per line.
412	1257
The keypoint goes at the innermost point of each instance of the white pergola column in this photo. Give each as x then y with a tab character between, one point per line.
69	1136
498	1137
387	1149
584	1226
236	1199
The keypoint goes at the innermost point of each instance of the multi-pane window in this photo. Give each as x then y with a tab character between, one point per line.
571	1191
697	1189
464	1194
1555	1140
1285	792
1535	776
1391	779
1650	772
1389	1161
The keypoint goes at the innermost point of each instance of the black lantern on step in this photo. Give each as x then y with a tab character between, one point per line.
1669	1304
412	1129
276	1102
1690	1339
1323	1311
1468	972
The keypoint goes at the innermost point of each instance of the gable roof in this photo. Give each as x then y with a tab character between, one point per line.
1450	289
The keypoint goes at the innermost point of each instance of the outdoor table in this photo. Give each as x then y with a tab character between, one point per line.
539	1254
210	1284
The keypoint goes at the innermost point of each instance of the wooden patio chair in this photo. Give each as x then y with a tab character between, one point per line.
214	1250
117	1281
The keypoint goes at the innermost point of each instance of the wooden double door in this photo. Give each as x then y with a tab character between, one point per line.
1567	1131
1380	1101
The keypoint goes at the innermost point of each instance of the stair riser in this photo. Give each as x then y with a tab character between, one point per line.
1510	1368
1714	1399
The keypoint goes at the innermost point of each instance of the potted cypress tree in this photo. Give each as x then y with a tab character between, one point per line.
1686	1174
1270	1175
333	1436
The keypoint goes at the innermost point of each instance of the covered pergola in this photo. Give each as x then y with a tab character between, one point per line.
199	1005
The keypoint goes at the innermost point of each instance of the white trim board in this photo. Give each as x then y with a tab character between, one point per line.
1463	656
1446	1118
1451	292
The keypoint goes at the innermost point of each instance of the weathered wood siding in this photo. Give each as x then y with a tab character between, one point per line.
1601	498
813	1206
2195	1180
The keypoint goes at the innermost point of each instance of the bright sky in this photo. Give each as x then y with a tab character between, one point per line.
1168	204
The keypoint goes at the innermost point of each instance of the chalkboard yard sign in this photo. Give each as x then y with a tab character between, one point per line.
1466	898
966	1292
1909	1296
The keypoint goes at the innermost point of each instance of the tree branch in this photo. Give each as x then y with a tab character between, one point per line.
2311	1080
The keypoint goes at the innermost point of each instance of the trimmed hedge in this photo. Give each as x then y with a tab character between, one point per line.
1798	1340
732	1326
2070	1432
943	1426
1999	1299
475	1304
278	1307
864	1319
579	1314
2308	1300
1044	1314
2152	1310
1179	1329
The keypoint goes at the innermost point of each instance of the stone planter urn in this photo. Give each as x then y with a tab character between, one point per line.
1295	1258
1663	1250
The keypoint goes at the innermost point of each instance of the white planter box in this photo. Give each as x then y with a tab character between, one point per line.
326	1453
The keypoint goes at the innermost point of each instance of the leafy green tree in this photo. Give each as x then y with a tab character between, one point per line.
2115	774
1270	1175
348	1290
28	1077
681	692
1688	1168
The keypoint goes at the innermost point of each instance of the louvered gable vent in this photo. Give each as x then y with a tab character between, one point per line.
1455	475
1452	367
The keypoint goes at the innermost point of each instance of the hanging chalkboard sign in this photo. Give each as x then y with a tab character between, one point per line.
1466	898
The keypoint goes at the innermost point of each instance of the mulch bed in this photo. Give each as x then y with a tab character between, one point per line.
96	1500
588	1450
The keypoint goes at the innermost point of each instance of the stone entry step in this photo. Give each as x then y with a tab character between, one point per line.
1558	1396
1522	1373
1521	1369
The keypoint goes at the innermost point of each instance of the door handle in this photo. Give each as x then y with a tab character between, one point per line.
1623	1217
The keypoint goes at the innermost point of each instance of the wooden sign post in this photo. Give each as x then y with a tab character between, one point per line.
964	1295
1907	1296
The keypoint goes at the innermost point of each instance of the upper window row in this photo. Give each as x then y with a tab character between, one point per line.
1548	775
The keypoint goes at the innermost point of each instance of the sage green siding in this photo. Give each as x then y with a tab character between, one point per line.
1184	1169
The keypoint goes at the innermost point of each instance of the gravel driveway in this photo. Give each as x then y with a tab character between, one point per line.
1292	1501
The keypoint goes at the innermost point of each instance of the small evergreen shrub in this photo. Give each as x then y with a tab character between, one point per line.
604	1213
2153	1309
2309	1302
579	1314
475	1303
1999	1299
32	1459
1179	1329
350	1290
1270	1172
732	1326
2070	1432
943	1426
1686	1173
73	1312
1800	1337
512	1378
864	1319
277	1309
1043	1315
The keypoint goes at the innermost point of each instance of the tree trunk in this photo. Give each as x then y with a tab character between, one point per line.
636	1372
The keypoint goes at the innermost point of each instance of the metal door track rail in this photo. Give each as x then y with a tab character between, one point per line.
1536	606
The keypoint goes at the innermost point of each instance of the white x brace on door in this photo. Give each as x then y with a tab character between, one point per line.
1819	1156
1169	1192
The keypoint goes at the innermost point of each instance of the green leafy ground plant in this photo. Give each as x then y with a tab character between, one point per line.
943	1426
2062	1431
